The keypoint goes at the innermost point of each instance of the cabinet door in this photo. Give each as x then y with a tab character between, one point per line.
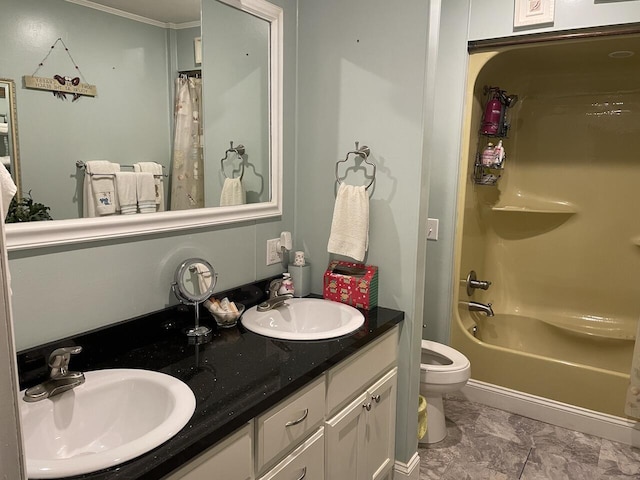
344	433
379	443
231	459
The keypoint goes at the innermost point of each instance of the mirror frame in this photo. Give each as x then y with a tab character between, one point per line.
63	232
13	134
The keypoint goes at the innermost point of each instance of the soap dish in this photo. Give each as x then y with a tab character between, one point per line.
229	319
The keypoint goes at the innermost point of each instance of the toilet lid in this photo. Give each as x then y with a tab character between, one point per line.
458	360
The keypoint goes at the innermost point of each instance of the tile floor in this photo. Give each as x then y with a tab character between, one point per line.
484	443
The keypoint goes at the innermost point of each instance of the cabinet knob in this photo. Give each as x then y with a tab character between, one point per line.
376	398
296	422
367	406
304	473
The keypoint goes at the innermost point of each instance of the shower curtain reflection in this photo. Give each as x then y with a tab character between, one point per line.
187	177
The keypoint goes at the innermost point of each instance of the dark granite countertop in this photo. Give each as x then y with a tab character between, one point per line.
235	377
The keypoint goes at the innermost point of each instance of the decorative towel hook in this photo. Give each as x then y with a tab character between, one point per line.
239	151
362	152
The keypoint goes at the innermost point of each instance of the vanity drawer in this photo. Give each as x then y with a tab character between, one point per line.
350	377
288	422
306	461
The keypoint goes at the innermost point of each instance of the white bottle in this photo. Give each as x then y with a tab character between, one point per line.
499	154
287	285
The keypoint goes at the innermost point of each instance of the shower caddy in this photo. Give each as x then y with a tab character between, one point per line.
494	124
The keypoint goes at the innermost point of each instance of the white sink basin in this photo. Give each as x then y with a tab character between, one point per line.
304	319
116	415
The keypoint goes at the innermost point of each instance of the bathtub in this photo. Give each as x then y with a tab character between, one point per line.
558	235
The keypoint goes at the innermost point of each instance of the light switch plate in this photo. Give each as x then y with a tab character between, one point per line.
432	228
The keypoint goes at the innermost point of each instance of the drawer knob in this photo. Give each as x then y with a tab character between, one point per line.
376	398
296	422
367	406
304	473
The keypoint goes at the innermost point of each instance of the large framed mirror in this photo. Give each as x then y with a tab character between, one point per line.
9	145
134	57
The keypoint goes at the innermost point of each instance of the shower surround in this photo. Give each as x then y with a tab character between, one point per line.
559	234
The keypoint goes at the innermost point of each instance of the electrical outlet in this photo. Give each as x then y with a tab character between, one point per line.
273	254
432	228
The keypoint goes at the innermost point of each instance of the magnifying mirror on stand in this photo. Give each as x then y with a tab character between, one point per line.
194	282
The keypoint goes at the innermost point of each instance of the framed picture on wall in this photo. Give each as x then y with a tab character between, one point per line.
533	12
197	49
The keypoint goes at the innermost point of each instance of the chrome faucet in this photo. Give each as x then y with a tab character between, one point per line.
60	378
275	300
480	307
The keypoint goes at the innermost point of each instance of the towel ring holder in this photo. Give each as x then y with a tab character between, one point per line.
239	151
362	152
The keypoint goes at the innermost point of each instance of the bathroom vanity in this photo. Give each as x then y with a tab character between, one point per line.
265	408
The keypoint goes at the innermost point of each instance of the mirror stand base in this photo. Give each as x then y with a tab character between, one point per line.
200	331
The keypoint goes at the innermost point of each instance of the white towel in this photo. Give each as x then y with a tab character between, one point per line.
99	193
350	225
146	191
4	128
126	186
9	189
158	177
232	193
6	161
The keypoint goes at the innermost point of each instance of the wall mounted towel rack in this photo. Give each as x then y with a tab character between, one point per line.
239	151
362	152
81	166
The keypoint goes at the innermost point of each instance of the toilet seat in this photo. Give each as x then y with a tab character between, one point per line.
457	369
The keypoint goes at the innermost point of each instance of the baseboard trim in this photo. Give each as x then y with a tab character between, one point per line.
602	425
408	471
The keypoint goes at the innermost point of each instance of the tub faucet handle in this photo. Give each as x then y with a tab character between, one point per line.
473	283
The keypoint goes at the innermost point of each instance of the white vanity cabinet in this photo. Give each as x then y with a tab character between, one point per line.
361	413
339	427
229	459
360	439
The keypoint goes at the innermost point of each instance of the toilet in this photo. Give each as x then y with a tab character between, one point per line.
442	370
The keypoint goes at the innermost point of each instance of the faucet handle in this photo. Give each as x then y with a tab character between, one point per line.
59	359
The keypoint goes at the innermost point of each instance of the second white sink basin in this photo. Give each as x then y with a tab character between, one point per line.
115	416
304	319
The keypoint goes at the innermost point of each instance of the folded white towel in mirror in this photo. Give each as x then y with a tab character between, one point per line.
6	161
232	193
99	192
126	186
350	224
158	178
9	189
4	128
146	191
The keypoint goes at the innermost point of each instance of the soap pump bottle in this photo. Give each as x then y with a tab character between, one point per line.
287	285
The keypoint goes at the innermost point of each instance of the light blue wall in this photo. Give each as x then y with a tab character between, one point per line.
494	18
361	78
62	291
127	122
185	48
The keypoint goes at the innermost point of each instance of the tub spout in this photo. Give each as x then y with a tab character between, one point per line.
480	307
